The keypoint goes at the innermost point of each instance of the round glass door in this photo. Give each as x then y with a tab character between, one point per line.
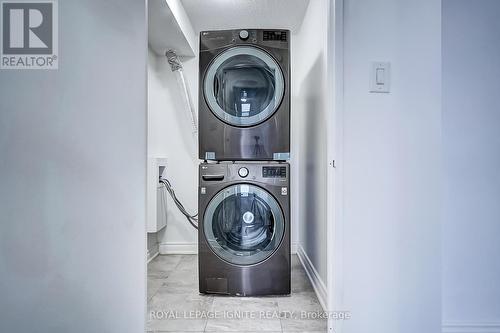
244	86
243	224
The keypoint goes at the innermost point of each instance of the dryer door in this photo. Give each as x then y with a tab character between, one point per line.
243	224
244	86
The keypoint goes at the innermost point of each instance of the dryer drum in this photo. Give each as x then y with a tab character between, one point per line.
244	86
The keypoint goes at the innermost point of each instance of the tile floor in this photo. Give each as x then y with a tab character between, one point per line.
174	304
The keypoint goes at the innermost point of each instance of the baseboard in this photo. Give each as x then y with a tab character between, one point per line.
471	327
151	257
178	248
192	248
316	281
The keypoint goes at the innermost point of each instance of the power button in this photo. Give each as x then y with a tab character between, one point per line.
243	172
244	34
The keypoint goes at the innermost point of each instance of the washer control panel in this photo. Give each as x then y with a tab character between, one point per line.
274	172
243	172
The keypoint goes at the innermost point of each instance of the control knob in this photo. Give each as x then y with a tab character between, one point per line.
244	35
243	172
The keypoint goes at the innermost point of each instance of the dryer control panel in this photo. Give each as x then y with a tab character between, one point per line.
274	35
271	38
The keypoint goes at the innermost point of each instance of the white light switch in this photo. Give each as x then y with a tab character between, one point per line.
380	77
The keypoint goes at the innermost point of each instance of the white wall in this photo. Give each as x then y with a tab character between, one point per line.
73	178
170	136
471	127
392	148
309	136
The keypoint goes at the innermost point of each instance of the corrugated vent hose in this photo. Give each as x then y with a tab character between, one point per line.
176	66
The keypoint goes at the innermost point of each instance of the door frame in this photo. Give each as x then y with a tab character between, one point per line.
335	84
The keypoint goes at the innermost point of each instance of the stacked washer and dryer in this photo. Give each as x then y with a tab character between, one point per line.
244	181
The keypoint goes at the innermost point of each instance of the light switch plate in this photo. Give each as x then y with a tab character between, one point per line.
380	77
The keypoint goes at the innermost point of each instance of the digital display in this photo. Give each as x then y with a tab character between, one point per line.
274	172
275	35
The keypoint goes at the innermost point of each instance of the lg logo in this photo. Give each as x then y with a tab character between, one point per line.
29	35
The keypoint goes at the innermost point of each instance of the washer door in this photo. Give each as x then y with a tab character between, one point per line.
243	224
244	86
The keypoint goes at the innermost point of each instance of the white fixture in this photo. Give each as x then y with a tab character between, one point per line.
380	77
156	196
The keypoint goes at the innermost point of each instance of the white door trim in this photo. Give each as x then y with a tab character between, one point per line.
335	56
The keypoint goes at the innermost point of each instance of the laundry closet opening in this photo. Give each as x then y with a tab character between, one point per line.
238	120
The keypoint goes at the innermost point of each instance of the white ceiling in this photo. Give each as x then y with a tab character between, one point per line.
235	14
